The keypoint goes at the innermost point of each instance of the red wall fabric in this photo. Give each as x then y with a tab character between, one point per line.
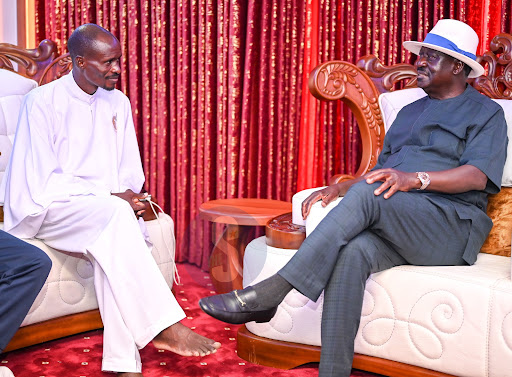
309	137
484	16
218	88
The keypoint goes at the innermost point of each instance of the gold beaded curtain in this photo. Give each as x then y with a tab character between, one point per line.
218	88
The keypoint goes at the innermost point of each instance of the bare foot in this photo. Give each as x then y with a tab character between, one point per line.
179	339
129	374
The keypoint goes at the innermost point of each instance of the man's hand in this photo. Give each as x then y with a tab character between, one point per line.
134	199
326	195
392	181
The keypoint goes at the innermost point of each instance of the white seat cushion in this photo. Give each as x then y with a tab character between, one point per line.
455	319
69	289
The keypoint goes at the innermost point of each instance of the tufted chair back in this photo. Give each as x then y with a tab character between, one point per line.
21	71
13	89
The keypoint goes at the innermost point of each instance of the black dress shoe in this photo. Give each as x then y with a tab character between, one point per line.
236	307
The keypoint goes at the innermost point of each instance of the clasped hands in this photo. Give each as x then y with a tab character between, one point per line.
138	206
392	181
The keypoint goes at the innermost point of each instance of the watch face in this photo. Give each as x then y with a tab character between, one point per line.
424	179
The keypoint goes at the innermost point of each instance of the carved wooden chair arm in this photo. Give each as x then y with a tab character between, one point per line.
340	178
338	80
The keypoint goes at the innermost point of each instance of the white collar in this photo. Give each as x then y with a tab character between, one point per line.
78	92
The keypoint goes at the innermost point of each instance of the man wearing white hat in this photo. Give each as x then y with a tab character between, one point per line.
441	158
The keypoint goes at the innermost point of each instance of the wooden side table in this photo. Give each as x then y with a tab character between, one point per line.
239	215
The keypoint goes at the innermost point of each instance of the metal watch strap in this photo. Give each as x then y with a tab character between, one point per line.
424	179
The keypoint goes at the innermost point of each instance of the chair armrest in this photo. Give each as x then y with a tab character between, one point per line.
340	178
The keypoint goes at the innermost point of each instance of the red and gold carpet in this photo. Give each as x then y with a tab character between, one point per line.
80	355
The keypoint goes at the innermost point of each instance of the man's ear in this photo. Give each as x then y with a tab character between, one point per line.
79	62
458	67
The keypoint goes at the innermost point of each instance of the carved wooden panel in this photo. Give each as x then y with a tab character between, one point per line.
497	83
282	233
30	62
56	69
385	77
41	64
338	80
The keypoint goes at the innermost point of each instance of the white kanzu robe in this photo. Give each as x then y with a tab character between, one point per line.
71	150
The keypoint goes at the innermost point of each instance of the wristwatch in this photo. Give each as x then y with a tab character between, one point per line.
424	179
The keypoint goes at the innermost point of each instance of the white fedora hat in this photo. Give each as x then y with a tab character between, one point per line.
454	38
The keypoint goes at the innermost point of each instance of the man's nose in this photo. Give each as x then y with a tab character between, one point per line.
421	61
116	67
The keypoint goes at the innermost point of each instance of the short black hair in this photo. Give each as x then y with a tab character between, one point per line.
83	39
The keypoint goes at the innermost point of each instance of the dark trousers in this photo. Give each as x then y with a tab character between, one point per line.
23	271
362	235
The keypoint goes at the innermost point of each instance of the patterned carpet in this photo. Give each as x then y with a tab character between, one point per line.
80	355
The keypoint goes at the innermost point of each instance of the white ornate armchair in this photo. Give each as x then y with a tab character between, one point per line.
416	321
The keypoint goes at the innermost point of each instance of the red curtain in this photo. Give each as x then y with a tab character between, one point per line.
218	88
485	16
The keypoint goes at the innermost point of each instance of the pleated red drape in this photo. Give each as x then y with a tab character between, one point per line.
485	16
218	88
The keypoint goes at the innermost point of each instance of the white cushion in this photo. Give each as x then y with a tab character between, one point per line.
9	110
13	83
69	288
161	234
506	104
411	314
13	89
316	214
391	103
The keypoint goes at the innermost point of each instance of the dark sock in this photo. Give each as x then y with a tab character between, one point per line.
272	291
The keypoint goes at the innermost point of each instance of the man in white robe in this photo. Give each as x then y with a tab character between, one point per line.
73	181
